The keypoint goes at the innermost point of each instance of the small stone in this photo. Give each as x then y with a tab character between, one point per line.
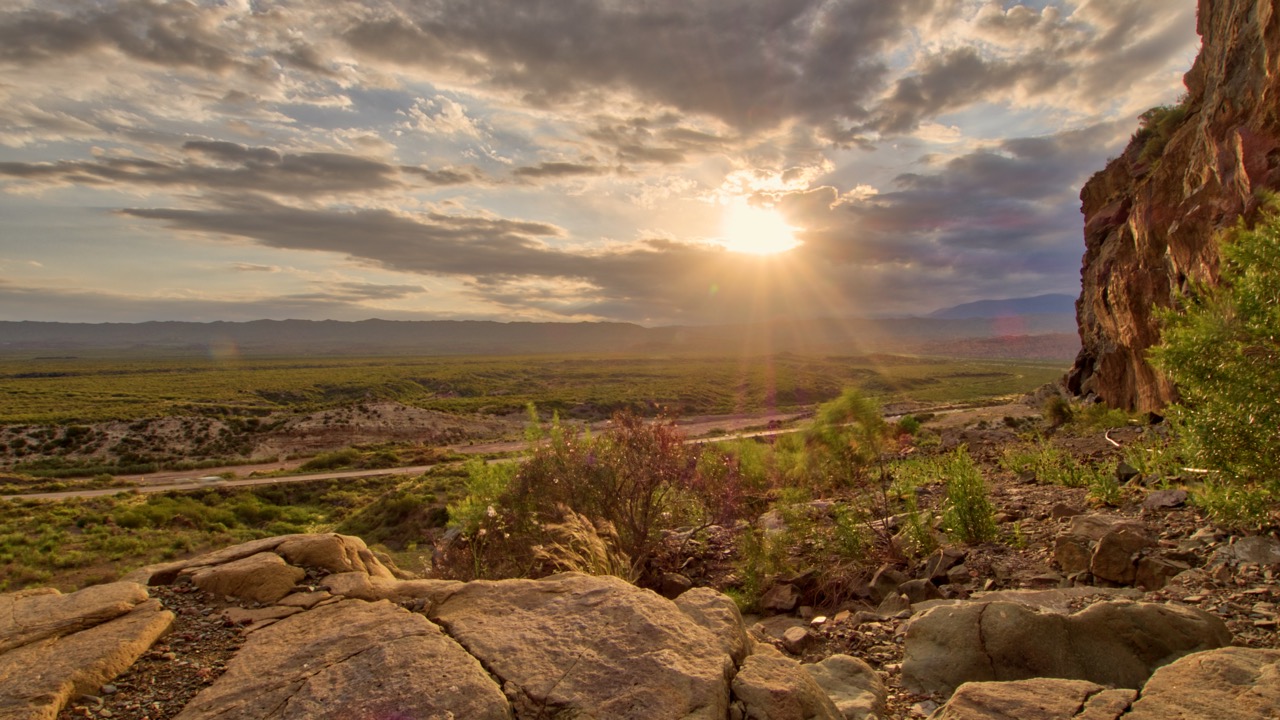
1126	472
1164	500
108	689
781	598
796	640
818	621
1193	599
104	712
842	616
924	708
1063	510
1267	624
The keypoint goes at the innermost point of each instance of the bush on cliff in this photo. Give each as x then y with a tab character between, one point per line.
1223	352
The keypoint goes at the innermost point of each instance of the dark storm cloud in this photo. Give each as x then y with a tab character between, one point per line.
222	166
750	63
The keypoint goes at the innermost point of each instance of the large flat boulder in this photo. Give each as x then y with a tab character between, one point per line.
1039	698
30	615
1118	644
351	659
264	577
589	647
38	678
1234	682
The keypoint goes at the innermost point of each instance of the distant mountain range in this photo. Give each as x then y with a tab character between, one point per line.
999	335
1038	305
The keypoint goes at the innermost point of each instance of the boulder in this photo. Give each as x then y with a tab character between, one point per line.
597	646
918	591
719	614
1109	643
1039	698
776	688
885	582
780	598
1256	550
334	553
39	677
263	577
857	690
35	614
942	560
796	640
1116	556
1240	683
351	659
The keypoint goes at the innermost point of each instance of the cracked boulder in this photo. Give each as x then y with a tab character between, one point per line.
351	659
1118	644
583	646
54	647
1205	685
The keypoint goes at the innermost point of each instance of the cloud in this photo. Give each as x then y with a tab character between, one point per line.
211	166
555	170
813	60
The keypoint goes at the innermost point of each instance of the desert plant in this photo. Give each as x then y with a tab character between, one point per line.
1057	411
1223	352
579	545
968	513
1238	507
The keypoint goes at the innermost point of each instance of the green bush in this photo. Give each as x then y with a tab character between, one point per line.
968	513
1223	353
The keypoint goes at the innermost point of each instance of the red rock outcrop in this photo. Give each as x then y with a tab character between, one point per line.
1152	223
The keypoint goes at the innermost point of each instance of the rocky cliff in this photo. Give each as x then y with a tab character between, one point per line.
1152	217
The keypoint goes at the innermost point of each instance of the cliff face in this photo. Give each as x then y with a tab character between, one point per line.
1152	219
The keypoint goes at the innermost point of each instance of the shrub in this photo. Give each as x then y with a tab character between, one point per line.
848	440
1223	353
968	513
1057	411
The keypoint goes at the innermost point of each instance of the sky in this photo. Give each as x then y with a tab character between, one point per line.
651	161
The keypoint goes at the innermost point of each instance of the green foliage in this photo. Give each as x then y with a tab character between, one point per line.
1238	507
1099	416
968	513
1049	465
1155	456
1223	353
346	457
1104	488
1057	411
1156	127
847	442
485	487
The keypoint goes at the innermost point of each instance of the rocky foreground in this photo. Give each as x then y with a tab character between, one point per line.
316	626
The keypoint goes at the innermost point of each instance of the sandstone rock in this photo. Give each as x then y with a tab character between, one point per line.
885	582
351	659
1110	643
332	552
1072	552
39	677
243	616
780	598
673	585
1256	550
857	690
894	604
918	591
30	615
942	560
1039	698
718	613
1155	572
1115	557
776	688
796	640
1164	500
574	643
263	577
1240	683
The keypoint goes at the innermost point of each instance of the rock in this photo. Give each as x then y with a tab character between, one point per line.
857	690
796	640
719	614
31	615
958	575
772	629
776	688
885	582
243	616
263	577
1151	227
942	560
573	643
894	604
1154	572
333	552
1072	552
780	598
1256	550
1126	472
1039	698
1110	643
1061	511
39	677
918	591
1240	683
351	659
1164	500
1115	557
672	585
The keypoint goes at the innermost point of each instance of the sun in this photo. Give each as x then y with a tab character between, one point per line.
755	230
